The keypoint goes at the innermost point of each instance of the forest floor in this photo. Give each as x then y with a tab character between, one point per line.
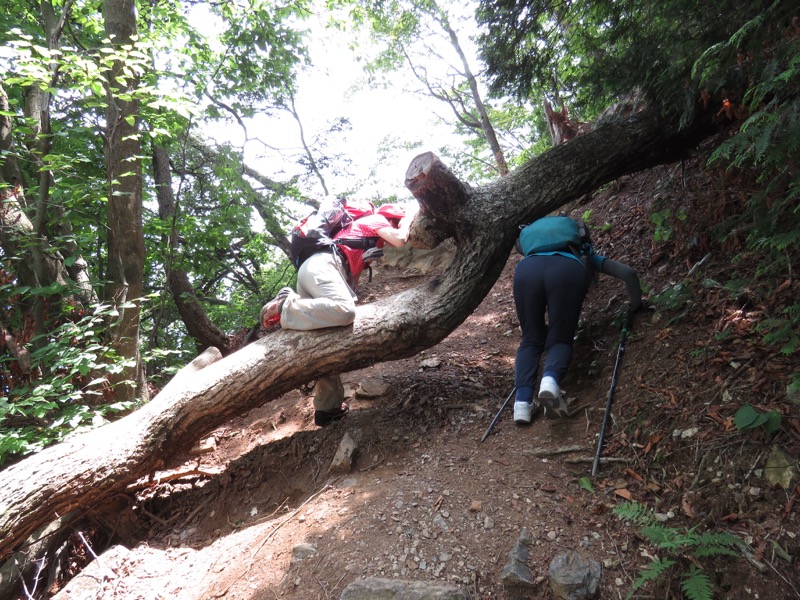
258	515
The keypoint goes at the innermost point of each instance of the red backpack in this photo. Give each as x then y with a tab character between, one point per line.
315	233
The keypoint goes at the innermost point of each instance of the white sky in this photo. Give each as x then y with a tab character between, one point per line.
325	92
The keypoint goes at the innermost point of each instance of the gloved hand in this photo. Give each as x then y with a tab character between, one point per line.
372	255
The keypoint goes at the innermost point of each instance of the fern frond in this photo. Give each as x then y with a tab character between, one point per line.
716	538
662	537
653	571
706	551
635	512
696	584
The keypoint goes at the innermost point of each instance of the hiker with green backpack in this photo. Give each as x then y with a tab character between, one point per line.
559	266
330	257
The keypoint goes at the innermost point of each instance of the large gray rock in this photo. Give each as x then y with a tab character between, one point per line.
376	588
574	577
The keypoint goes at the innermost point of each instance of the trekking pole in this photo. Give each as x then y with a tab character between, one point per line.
497	416
620	352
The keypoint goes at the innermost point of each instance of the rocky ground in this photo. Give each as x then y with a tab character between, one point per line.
257	513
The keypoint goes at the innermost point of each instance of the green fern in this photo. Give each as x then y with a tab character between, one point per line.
634	512
696	584
677	544
652	572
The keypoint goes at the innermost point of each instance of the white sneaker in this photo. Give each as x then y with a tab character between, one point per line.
552	397
523	412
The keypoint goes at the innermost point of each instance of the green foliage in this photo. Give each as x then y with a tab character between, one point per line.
766	51
67	389
748	417
696	584
783	332
655	570
678	545
665	215
593	53
672	298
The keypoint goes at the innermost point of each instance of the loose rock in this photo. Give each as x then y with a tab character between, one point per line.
371	388
516	571
574	577
343	460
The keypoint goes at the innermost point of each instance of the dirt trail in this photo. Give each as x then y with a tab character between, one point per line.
425	500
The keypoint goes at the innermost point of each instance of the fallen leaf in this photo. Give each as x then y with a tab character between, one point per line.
654	439
634	474
686	505
780	551
624	493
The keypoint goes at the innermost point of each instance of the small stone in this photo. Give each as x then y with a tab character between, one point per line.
689	433
204	446
303	551
343	460
431	363
372	388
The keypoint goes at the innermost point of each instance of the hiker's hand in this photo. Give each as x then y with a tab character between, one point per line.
635	312
372	255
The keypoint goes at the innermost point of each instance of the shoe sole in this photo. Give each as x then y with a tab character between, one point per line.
554	408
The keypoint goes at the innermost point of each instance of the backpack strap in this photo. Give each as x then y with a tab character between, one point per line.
361	243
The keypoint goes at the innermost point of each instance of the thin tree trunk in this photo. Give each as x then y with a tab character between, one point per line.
486	123
125	237
16	228
205	333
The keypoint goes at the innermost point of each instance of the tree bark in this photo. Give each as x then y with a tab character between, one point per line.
483	222
125	234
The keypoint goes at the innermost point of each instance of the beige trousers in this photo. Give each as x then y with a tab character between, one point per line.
323	299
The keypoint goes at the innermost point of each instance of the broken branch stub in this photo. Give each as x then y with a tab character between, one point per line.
440	193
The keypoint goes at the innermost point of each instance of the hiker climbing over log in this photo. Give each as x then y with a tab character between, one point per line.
327	278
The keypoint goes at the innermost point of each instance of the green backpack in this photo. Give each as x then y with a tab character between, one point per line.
550	234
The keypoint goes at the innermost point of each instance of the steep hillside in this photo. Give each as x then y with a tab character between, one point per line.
256	513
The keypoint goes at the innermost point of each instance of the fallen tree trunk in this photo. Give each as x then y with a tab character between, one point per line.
82	472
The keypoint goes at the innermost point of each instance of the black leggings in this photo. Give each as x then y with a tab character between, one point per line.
556	285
